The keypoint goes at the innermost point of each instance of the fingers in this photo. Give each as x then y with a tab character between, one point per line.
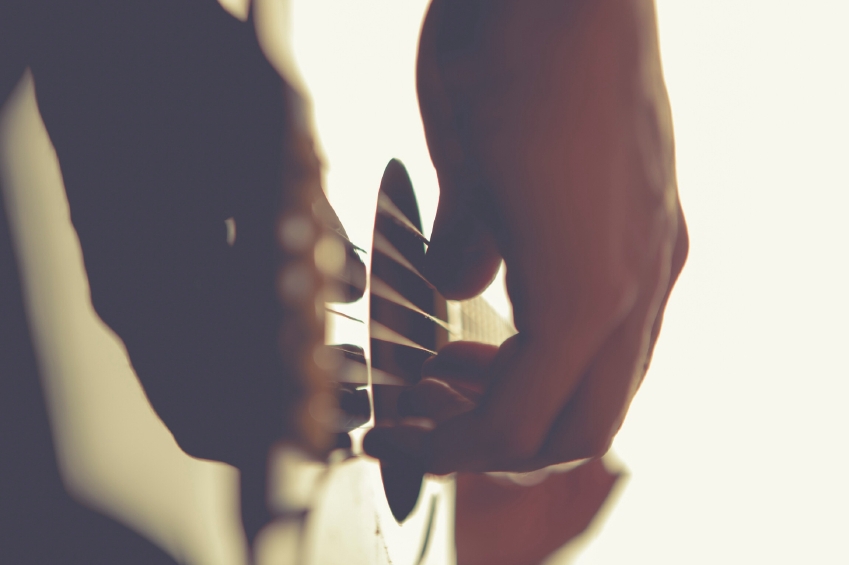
435	400
531	381
437	109
499	434
453	382
548	402
463	257
462	363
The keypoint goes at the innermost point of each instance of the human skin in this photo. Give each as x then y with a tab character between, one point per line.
549	126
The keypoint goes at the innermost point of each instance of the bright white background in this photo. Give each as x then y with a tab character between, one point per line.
736	444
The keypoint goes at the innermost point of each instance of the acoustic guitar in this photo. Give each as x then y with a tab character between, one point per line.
121	459
389	512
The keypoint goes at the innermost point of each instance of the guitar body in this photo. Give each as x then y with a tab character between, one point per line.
384	513
391	512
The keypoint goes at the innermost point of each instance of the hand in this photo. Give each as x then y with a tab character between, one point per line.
550	130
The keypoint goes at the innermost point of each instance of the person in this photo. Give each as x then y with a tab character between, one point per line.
550	129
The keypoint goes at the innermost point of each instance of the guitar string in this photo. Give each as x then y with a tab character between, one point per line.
380	288
386	206
383	333
338	313
385	291
354	372
384	246
378	331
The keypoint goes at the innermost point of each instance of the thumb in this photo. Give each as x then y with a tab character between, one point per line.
463	257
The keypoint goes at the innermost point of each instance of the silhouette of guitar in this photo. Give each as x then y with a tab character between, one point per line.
409	321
